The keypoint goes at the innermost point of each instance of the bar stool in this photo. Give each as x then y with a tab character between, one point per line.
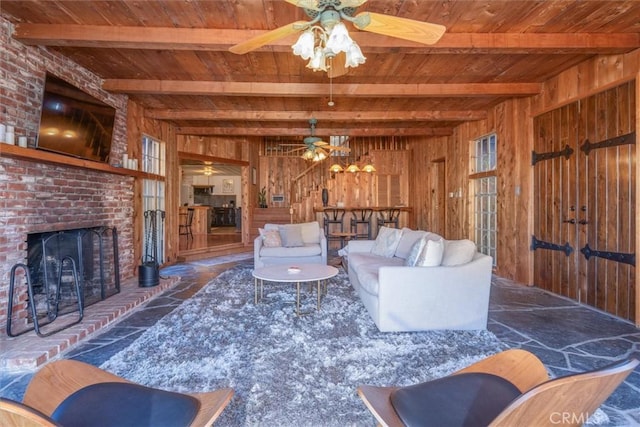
333	224
362	218
186	219
389	218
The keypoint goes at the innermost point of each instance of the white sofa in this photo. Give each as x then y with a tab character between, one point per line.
403	298
310	247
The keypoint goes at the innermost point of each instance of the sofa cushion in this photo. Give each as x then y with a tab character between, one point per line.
414	253
458	252
409	237
310	232
298	251
291	235
432	253
270	238
387	242
366	266
432	236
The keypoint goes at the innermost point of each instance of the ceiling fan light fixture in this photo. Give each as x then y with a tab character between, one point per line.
319	156
339	40
318	44
354	56
319	61
308	154
304	46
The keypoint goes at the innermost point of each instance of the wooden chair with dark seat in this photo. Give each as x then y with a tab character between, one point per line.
361	223
333	225
69	391
389	218
186	221
511	388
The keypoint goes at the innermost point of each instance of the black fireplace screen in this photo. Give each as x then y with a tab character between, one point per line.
67	271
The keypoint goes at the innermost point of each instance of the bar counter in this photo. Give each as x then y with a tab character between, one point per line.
347	231
355	208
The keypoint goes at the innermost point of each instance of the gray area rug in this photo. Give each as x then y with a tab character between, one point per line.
288	370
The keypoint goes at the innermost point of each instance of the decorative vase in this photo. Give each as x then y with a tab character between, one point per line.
325	197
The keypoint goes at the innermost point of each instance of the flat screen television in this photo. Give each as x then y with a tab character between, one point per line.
74	123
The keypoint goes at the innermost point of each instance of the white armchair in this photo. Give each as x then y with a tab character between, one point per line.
303	243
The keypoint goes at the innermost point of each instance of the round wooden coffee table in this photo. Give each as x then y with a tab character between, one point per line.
300	273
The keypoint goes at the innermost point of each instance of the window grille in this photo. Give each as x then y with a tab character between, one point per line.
485	192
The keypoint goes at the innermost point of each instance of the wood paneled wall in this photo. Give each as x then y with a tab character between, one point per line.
236	148
513	181
301	182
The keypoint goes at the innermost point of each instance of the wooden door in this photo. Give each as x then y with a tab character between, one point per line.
584	197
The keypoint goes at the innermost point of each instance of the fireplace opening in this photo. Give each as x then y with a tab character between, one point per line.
67	271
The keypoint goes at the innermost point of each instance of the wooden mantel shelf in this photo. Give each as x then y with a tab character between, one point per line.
48	157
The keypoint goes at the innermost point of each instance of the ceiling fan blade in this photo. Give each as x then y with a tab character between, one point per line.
320	143
268	37
338	68
401	28
306	4
295	149
337	148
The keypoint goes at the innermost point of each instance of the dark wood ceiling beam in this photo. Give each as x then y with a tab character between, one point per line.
184	87
103	36
282	116
290	131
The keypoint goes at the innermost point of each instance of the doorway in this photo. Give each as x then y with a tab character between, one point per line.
212	189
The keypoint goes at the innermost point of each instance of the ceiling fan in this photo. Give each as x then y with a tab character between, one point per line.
328	13
313	147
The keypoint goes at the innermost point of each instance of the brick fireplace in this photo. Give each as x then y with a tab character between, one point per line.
44	197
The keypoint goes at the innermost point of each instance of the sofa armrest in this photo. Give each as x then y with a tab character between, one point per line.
323	246
455	297
360	246
257	245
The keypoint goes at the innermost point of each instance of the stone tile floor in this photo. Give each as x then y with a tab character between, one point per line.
568	337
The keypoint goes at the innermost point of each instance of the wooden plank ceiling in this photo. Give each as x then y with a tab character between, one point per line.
172	57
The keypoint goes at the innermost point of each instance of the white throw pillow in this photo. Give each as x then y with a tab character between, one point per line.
415	252
458	252
310	232
291	236
408	239
270	238
387	242
431	255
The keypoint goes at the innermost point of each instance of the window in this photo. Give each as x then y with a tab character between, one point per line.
153	156
485	191
153	200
